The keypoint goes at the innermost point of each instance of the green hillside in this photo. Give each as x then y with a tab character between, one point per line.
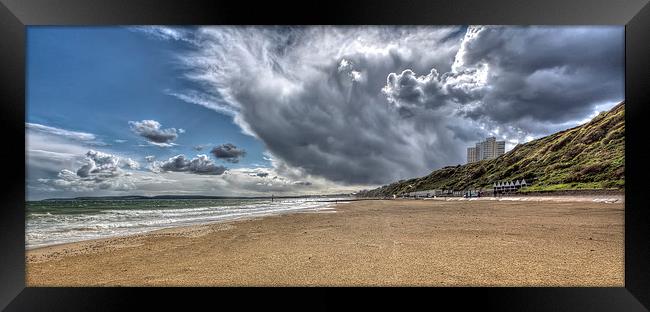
590	156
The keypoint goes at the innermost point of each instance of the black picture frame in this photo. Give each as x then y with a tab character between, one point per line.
15	15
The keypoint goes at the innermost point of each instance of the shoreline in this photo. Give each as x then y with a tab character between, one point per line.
370	242
616	198
327	209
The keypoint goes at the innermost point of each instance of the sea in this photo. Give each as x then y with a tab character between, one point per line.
51	222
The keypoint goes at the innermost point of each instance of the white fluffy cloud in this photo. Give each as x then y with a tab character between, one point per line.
49	149
98	171
104	164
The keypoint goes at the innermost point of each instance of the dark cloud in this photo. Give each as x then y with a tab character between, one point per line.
465	134
546	74
201	164
228	152
151	130
346	132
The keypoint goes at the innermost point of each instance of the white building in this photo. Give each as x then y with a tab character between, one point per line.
488	149
471	155
509	186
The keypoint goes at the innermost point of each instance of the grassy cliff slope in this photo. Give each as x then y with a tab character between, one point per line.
589	156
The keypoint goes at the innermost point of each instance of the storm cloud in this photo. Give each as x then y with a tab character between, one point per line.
228	152
153	132
544	74
371	105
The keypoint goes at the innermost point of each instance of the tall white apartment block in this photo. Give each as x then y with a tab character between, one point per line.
488	149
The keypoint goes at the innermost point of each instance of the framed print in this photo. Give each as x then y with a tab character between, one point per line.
491	150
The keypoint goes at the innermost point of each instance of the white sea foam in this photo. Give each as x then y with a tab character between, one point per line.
45	229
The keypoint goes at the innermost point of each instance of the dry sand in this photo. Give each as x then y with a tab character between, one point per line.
380	242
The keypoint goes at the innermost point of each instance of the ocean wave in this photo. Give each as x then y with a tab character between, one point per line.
48	229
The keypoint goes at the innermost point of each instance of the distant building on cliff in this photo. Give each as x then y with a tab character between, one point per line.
471	154
488	149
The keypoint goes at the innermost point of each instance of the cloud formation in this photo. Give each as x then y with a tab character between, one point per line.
228	152
200	164
153	132
49	149
104	164
98	171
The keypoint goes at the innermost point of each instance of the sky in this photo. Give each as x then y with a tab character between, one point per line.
260	110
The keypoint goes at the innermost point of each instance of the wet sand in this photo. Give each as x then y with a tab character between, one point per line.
544	242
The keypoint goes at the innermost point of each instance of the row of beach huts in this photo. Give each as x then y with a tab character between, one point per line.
509	186
501	187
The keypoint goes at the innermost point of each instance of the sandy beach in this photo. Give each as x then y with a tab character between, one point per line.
512	242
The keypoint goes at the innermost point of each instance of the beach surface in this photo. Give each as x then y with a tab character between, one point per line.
542	241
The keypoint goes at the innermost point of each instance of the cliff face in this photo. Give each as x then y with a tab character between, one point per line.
590	156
